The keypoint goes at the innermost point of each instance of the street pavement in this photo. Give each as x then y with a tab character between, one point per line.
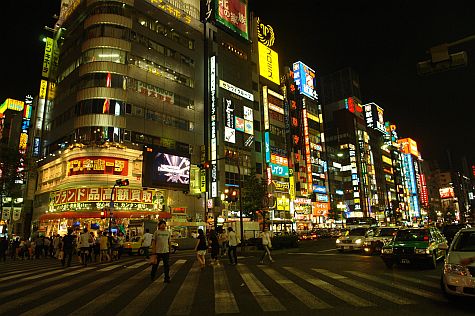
311	279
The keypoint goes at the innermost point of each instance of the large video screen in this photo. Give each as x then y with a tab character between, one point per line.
162	169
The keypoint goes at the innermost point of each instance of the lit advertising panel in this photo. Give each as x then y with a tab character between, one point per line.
233	89
307	149
233	14
11	104
304	77
228	113
229	135
248	114
266	108
408	146
97	165
248	127
213	136
319	189
446	193
47	57
240	124
268	63
277	170
267	144
163	169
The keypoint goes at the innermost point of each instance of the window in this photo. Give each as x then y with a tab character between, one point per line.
258	168
257	125
257	146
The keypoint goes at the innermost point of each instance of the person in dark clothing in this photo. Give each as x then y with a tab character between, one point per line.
213	238
68	246
200	248
3	248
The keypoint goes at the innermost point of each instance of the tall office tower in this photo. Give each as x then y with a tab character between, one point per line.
121	98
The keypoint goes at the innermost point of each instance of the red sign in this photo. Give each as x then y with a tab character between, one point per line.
84	195
98	165
233	14
446	193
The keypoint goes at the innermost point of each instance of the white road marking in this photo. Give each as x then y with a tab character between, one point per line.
187	290
263	296
224	301
139	303
345	296
405	288
300	293
366	287
432	284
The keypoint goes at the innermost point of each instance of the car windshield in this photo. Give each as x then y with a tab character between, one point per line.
412	235
386	232
358	232
451	230
465	242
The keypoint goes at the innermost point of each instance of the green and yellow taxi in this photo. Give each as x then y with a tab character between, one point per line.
414	245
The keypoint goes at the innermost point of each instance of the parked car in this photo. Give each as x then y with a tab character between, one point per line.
449	231
354	240
458	280
134	246
414	245
309	235
381	236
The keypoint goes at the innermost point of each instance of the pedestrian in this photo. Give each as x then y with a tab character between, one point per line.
46	246
266	244
120	243
32	249
84	241
104	247
200	248
97	246
161	250
223	242
56	246
39	247
213	238
233	242
68	247
91	246
146	242
3	248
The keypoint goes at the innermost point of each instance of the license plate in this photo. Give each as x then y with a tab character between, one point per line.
405	261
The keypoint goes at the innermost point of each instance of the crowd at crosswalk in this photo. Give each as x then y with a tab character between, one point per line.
124	287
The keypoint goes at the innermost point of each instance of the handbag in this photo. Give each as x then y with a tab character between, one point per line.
153	259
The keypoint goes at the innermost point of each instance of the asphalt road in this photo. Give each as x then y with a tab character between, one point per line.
305	281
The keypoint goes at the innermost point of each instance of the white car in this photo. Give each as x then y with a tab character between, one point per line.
459	280
354	239
381	236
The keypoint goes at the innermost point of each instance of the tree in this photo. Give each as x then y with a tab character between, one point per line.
253	192
10	162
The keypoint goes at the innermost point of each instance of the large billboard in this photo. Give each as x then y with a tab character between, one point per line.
268	63
304	77
162	169
408	146
233	14
374	116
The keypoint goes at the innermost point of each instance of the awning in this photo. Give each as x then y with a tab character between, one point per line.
116	214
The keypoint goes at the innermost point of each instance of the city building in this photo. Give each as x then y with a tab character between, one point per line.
121	98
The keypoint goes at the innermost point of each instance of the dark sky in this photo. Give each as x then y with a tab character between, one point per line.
381	40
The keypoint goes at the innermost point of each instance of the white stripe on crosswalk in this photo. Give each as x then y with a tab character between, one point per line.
263	296
137	265
36	276
108	268
396	277
330	288
74	295
409	289
188	290
224	301
27	287
110	295
300	293
388	296
14	275
138	305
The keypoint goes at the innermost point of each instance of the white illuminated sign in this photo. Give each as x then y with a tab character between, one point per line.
240	92
214	141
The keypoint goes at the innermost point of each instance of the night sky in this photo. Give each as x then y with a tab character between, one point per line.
381	40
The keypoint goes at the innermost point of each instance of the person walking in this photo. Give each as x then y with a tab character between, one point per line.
68	247
213	238
84	241
266	244
223	242
201	248
233	242
146	242
161	250
56	246
103	245
3	248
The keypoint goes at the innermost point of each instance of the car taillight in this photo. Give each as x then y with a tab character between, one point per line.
426	238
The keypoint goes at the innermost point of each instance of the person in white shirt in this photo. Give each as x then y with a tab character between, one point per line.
233	242
266	244
146	242
161	250
84	240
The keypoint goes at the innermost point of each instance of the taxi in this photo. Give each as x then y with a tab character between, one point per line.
134	246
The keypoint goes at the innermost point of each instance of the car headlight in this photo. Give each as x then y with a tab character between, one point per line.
387	250
367	243
422	251
338	241
358	241
456	269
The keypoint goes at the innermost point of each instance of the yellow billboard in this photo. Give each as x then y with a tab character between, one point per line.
268	63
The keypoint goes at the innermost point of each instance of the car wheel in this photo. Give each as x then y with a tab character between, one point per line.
433	261
389	264
173	249
141	251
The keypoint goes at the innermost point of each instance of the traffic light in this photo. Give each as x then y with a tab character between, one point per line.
231	195
122	183
204	165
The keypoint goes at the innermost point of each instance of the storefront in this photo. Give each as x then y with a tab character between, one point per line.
303	214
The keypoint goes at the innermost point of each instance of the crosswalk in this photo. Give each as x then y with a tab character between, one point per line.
124	288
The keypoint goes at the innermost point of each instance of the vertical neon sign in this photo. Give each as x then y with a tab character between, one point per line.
214	140
307	149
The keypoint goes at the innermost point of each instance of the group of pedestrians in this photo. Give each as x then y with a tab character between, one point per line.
31	248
